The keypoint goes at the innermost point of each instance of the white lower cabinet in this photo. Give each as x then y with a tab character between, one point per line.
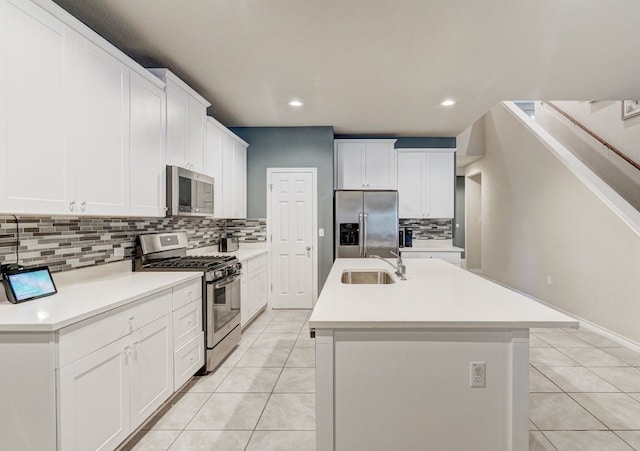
107	394
187	360
256	294
94	401
118	368
151	369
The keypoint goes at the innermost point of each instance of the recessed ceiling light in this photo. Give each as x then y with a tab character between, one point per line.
448	102
296	103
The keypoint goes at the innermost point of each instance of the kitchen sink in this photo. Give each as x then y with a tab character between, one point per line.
373	277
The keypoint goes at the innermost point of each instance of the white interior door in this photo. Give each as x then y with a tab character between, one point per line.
291	200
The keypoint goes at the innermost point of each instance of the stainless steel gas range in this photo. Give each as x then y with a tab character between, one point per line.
220	287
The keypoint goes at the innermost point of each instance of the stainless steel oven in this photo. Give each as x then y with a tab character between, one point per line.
220	289
222	313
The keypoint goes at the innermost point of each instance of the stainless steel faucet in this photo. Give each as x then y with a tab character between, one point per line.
401	270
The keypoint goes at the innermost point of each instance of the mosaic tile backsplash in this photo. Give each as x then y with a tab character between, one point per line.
430	229
65	243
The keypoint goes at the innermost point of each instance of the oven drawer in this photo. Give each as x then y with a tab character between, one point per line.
85	337
187	360
187	323
186	293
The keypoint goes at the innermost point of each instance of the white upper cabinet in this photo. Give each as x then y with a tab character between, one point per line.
426	183
213	161
368	164
186	119
36	56
226	161
101	145
147	147
68	132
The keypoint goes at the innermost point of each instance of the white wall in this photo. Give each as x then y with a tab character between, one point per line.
540	220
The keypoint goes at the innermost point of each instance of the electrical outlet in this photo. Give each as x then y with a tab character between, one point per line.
548	280
477	374
321	232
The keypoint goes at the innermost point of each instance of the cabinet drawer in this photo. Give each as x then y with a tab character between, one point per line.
87	336
187	323
256	263
187	360
186	293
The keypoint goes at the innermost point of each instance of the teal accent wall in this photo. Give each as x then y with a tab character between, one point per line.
282	147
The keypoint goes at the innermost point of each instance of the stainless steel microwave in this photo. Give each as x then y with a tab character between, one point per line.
188	193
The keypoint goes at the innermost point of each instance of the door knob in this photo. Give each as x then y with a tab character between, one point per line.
308	248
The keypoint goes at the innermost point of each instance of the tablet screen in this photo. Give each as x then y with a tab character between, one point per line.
30	284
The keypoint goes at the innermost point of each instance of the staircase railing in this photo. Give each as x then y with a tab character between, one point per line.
593	135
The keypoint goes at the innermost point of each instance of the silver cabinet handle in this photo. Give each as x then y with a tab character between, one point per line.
72	205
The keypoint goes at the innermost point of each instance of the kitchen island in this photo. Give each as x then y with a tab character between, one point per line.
395	362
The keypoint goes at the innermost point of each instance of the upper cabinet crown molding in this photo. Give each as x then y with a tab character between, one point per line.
365	164
166	74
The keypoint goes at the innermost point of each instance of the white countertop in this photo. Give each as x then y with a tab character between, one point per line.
437	294
245	252
85	293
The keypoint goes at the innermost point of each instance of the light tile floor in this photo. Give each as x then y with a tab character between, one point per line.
585	394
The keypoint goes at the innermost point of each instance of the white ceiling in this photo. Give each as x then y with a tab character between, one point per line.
378	66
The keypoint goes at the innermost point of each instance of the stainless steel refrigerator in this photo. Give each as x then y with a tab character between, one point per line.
366	223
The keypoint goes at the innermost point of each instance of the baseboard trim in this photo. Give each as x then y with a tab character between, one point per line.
589	325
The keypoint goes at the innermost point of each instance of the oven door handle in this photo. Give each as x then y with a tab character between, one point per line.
223	283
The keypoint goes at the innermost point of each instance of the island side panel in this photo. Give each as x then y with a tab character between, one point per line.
407	389
324	390
518	402
28	391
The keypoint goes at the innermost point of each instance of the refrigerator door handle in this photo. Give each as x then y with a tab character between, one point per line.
364	233
361	238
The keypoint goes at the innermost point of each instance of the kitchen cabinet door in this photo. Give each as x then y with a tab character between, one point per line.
213	163
441	189
228	175
147	147
368	164
177	124
101	148
240	181
380	166
196	135
186	121
411	191
426	183
350	165
151	368
93	398
36	56
245	304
